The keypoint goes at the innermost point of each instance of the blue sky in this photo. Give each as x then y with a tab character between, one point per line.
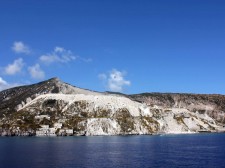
129	46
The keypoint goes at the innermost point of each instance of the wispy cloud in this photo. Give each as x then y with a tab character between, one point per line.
36	72
15	67
59	54
20	47
5	85
85	59
102	76
115	80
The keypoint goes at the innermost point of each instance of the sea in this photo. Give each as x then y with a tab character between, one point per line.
166	151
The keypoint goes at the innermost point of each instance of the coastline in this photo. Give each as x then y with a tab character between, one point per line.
80	135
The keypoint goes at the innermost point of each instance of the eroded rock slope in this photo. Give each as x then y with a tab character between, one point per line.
54	108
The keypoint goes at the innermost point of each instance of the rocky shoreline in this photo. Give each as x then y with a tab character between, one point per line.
8	133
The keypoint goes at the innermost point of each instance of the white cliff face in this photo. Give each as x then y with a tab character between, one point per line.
102	126
184	121
94	102
115	115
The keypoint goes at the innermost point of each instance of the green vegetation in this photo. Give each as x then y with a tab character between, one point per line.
179	119
102	113
150	124
156	113
125	120
75	123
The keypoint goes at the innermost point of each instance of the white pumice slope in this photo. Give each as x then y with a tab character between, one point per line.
116	115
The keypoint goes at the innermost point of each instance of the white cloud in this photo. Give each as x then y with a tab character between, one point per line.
15	67
59	49
36	72
115	80
2	82
58	55
20	47
5	85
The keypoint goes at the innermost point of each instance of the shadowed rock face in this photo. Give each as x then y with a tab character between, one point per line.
24	109
11	98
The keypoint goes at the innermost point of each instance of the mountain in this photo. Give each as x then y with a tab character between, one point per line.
53	107
12	99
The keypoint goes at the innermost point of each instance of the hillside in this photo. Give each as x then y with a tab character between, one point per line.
212	105
53	107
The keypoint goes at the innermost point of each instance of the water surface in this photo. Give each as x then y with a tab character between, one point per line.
195	150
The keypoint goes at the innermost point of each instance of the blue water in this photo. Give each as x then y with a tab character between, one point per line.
196	151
